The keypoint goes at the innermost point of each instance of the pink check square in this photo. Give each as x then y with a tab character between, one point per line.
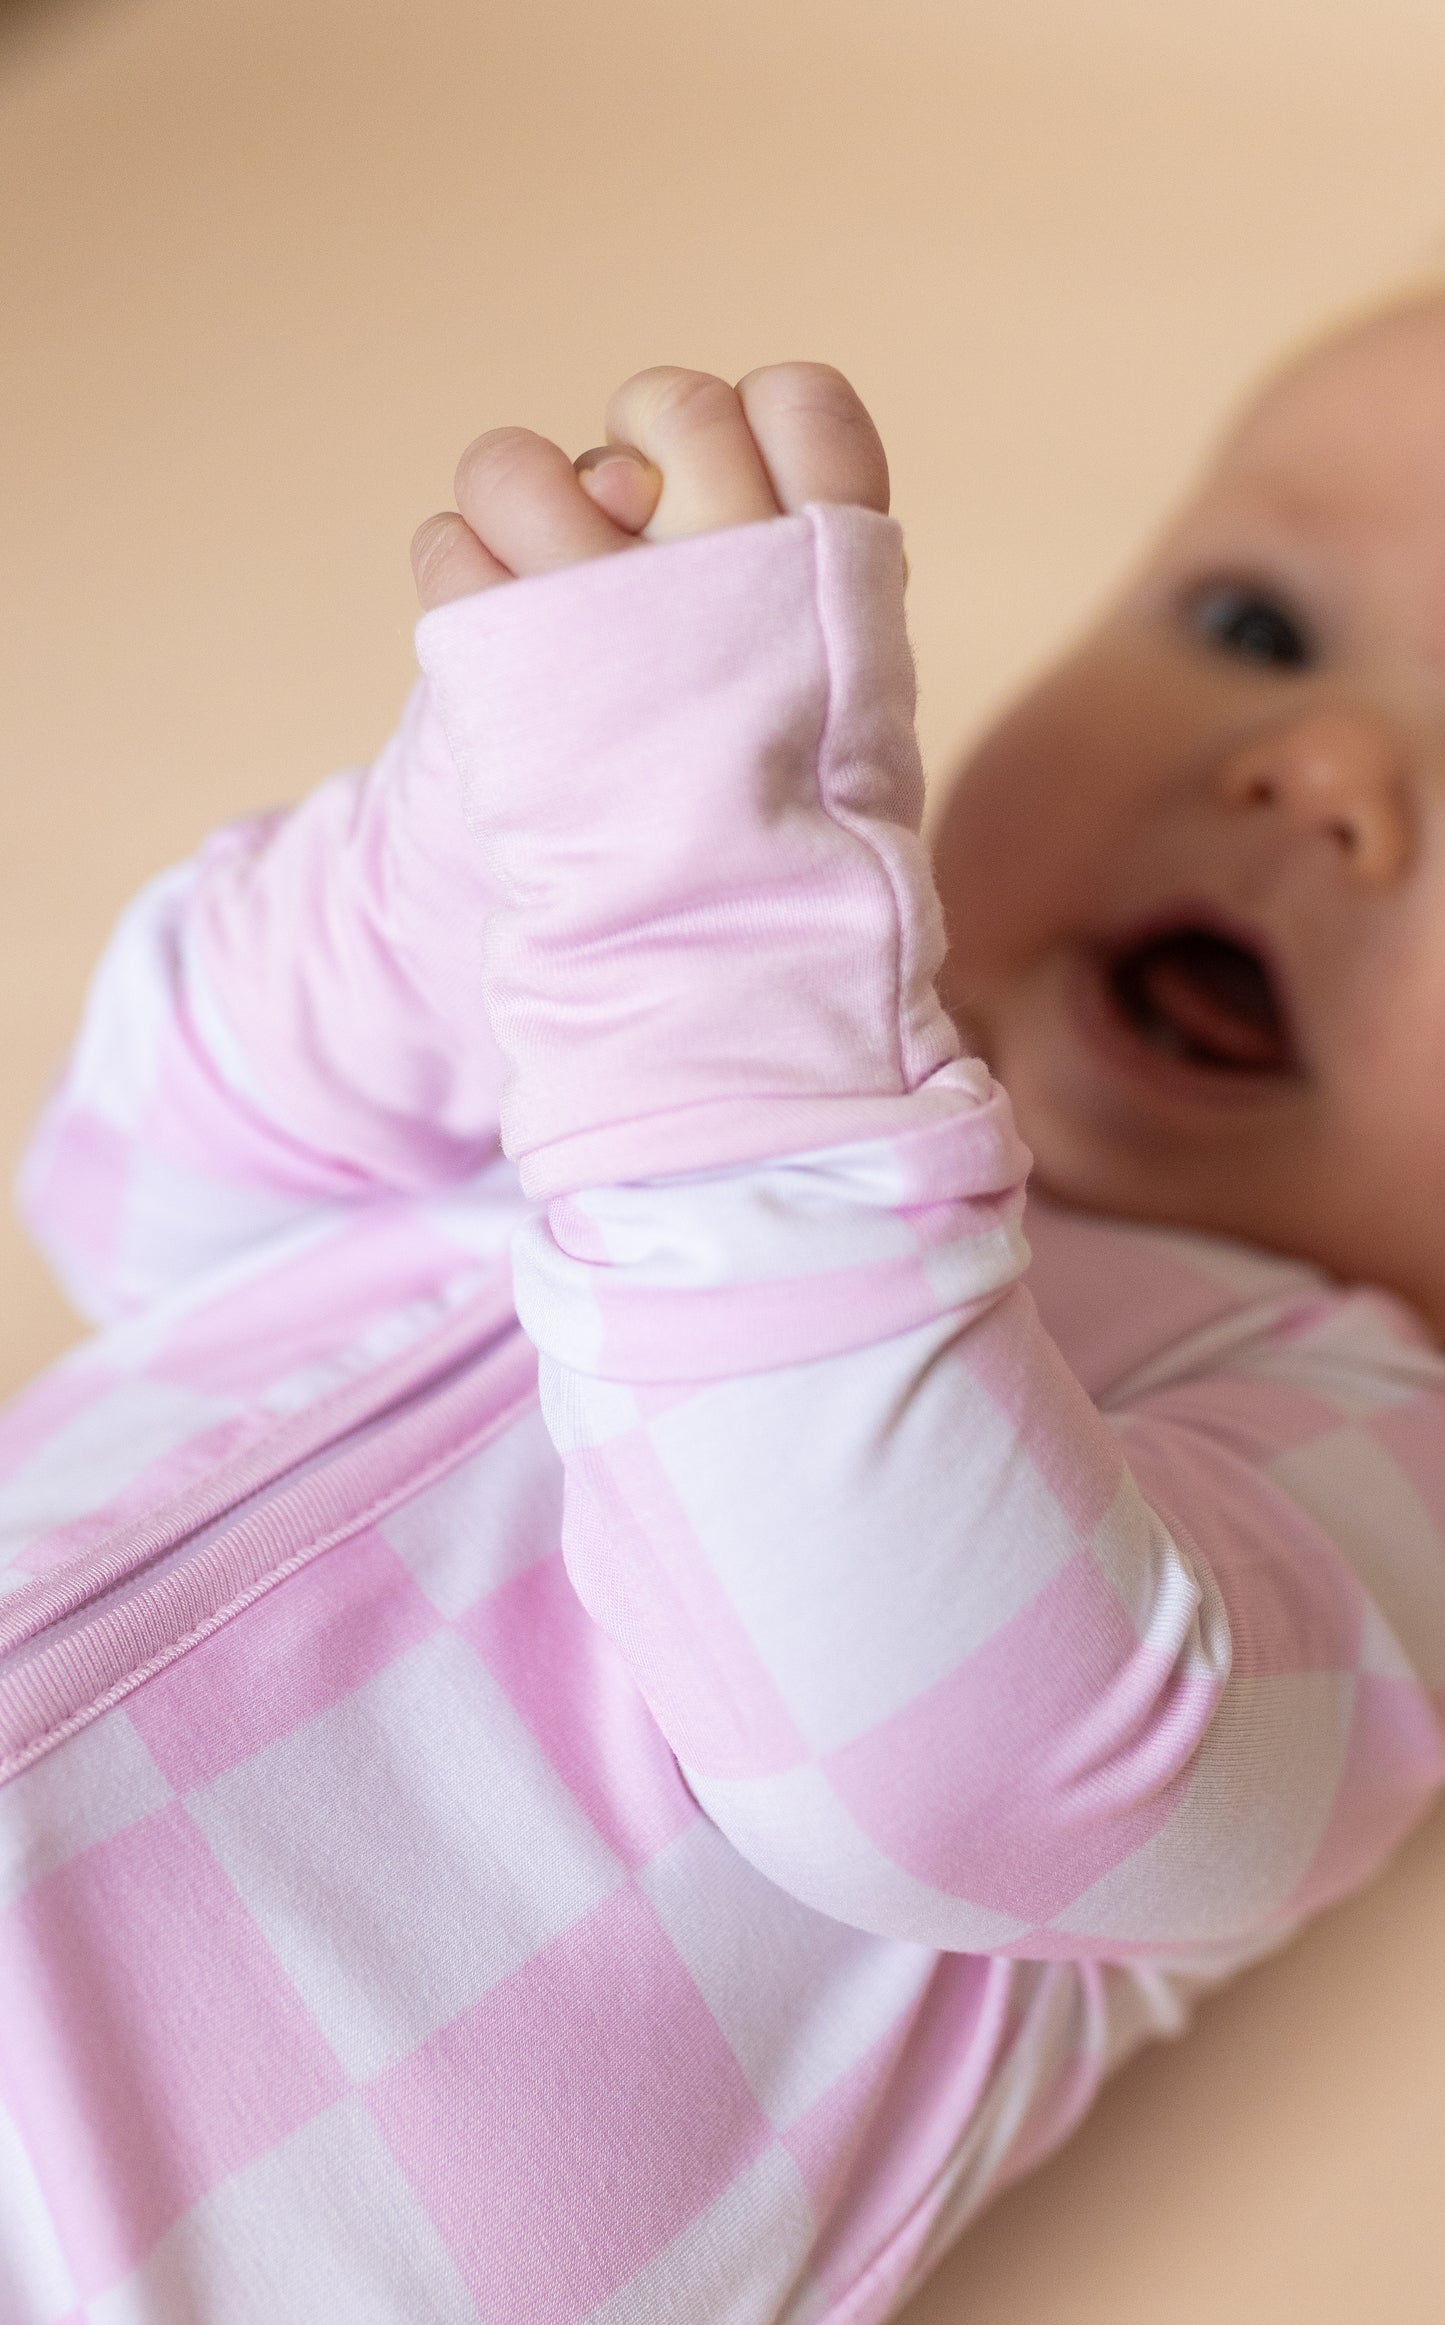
151	2044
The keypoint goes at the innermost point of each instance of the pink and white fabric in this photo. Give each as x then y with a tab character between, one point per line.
657	1809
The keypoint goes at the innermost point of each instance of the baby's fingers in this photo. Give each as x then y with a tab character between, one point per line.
621	481
449	561
693	428
815	436
521	496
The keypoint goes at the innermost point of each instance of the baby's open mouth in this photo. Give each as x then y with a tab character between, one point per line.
1204	998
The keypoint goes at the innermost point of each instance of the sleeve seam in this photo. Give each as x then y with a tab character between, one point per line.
853	826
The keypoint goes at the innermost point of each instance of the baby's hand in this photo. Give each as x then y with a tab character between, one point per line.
685	453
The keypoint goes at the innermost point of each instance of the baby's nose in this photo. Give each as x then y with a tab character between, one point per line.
1334	774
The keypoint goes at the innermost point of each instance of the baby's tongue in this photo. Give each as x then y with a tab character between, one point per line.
1214	1000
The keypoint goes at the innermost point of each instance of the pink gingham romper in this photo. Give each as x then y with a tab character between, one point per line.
624	1734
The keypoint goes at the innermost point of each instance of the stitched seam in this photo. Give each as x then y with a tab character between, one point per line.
416	1482
842	821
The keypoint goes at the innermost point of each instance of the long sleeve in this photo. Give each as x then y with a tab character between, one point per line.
945	1649
290	1023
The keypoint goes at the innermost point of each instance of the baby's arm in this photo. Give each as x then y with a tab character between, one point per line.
929	1650
293	1022
290	1023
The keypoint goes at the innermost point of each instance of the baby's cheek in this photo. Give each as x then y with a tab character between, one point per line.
1009	858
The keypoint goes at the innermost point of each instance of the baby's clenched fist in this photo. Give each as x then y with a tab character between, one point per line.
685	453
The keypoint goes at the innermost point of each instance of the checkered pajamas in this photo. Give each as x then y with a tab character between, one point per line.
662	1815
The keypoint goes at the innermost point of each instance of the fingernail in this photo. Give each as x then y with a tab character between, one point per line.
624	484
602	453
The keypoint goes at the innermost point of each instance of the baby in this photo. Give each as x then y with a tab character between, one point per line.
657	1810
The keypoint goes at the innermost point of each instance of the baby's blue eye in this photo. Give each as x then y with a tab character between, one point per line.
1248	622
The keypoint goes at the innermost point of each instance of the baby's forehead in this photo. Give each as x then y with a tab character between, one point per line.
1351	433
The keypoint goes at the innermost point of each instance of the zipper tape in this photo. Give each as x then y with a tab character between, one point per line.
74	1644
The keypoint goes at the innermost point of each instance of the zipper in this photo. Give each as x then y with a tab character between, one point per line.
75	1643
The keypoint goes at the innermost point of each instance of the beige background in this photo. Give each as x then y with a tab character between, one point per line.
268	263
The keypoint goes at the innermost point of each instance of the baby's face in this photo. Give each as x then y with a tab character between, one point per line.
1195	880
